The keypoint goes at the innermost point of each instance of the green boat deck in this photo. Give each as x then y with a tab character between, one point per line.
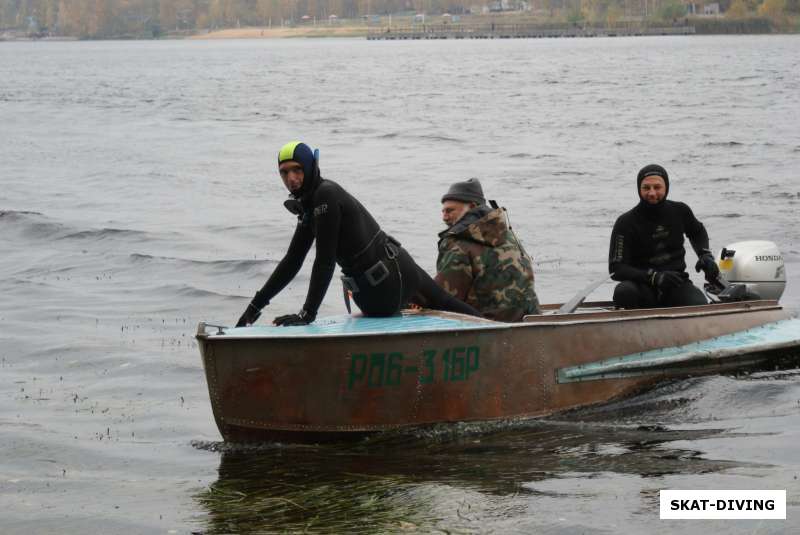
408	322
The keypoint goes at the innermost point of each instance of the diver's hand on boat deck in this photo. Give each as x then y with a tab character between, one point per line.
251	314
304	317
665	280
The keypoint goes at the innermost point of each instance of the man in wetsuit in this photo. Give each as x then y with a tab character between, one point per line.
646	253
378	271
480	259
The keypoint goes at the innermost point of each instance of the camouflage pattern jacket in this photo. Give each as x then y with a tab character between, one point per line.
482	263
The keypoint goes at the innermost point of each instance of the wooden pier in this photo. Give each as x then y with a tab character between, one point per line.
514	31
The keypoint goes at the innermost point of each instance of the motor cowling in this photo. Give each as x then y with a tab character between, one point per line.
756	264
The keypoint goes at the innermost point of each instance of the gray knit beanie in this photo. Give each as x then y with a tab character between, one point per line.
468	191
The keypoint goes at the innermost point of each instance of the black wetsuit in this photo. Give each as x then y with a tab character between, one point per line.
346	234
647	239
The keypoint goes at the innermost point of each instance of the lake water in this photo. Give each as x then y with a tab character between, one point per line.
139	196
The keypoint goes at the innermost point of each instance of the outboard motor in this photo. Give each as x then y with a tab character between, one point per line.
750	270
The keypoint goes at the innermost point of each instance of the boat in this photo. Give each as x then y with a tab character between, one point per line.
346	376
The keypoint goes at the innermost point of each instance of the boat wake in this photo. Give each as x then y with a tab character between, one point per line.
721	399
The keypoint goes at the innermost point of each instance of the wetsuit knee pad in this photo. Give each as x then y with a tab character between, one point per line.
628	295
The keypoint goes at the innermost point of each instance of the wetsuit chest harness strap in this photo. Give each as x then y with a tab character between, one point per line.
370	251
374	276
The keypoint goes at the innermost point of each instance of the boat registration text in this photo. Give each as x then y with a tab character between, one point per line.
389	368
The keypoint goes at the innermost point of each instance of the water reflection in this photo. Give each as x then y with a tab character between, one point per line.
458	477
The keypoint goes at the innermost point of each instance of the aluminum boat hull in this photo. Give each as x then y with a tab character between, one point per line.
344	377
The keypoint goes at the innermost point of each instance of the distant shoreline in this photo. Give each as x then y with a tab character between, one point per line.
437	30
284	33
46	39
699	26
508	28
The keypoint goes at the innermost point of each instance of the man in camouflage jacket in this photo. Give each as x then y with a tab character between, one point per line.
480	259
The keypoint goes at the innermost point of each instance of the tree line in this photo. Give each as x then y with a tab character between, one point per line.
106	18
152	18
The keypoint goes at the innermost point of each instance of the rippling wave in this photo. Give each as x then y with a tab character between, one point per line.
225	266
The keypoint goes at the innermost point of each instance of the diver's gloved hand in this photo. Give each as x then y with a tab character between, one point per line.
708	265
665	280
250	316
304	317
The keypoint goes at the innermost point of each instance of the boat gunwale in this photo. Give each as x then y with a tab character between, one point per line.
537	321
610	316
